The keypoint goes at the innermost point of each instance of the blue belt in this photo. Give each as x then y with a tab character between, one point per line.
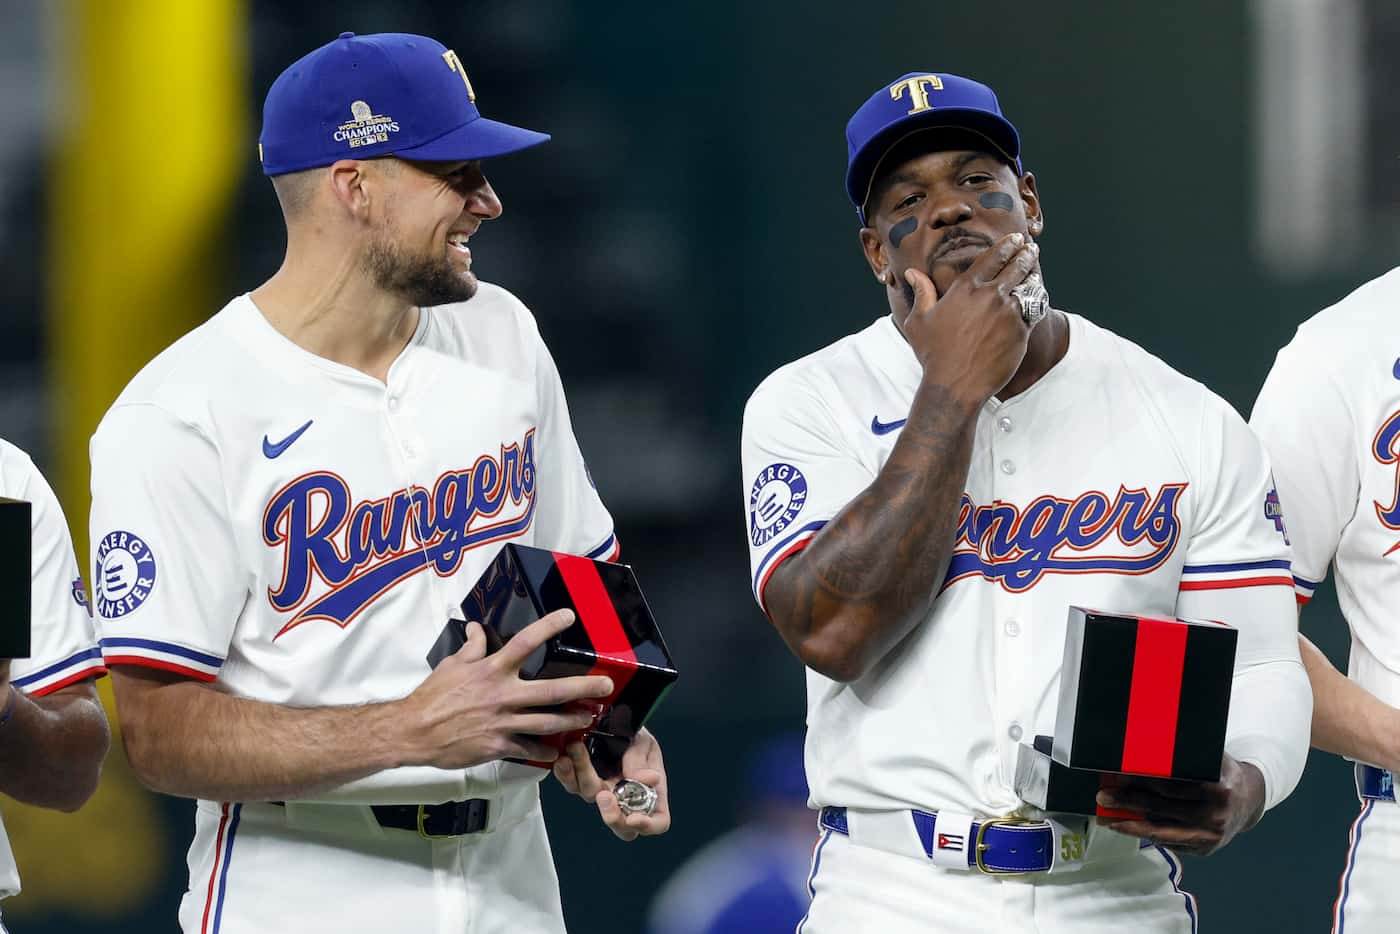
1374	784
1002	845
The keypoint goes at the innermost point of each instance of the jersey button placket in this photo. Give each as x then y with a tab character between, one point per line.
404	438
410	445
1010	484
415	467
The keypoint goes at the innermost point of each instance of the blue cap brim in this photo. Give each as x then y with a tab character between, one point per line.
997	130
476	139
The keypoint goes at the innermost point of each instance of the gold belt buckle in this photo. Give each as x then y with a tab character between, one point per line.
422	832
980	847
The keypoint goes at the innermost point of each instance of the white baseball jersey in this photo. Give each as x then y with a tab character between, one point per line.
63	645
1329	416
1113	483
300	532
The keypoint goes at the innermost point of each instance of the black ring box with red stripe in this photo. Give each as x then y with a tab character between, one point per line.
1143	695
16	570
614	634
1050	786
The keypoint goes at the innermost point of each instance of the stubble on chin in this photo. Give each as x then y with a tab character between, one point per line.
422	281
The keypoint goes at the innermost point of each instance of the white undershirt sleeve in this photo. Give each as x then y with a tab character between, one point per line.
1237	572
1270	699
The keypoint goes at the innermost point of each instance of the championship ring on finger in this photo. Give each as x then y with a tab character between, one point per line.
1035	301
635	797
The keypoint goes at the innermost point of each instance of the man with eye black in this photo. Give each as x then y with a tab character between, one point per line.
928	496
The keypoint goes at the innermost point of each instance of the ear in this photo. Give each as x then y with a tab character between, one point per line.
874	248
1030	200
351	184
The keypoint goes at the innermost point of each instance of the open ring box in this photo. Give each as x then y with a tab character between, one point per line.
1139	695
613	634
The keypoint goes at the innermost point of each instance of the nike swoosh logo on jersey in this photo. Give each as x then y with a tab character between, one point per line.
884	428
271	450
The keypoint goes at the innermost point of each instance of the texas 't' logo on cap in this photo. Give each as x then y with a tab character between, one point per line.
455	64
918	88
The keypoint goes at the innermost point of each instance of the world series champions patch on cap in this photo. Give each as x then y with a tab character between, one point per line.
365	127
359	97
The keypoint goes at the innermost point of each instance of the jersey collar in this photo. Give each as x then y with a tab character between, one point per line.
897	358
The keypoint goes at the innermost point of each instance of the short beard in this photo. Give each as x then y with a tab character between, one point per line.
420	281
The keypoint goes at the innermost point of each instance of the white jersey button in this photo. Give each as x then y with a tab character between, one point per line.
1004	423
1013	628
393	403
1007	467
1014	732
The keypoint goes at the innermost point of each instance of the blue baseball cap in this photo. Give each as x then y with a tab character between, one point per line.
386	94
920	101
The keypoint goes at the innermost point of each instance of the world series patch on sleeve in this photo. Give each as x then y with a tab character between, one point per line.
613	634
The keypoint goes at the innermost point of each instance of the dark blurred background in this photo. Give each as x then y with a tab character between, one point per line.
1213	172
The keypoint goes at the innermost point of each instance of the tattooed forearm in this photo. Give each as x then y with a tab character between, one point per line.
872	573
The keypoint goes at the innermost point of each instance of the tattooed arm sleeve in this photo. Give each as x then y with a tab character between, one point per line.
863	571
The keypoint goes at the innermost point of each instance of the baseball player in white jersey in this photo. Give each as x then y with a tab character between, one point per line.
291	501
928	496
53	731
1329	416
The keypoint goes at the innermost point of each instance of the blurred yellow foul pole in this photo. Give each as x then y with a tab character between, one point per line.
154	138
